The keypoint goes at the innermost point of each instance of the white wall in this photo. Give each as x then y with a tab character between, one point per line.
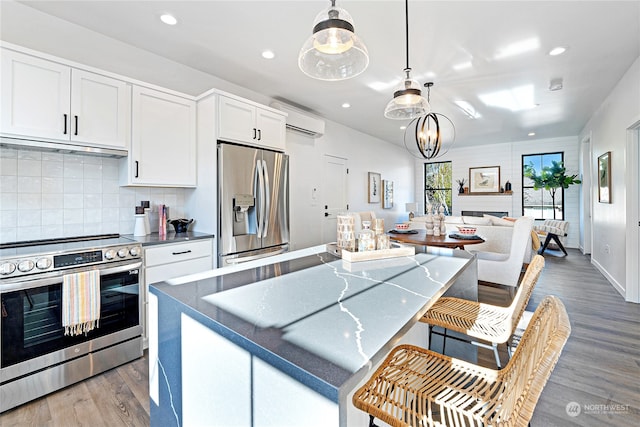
509	158
608	131
364	154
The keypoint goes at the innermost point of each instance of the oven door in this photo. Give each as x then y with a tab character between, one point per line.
31	332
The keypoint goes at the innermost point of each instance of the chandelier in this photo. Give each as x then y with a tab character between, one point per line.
429	132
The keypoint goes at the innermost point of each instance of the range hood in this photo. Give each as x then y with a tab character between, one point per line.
28	144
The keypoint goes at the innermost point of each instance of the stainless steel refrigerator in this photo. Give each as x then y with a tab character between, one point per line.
253	201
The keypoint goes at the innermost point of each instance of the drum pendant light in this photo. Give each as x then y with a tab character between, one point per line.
407	102
333	52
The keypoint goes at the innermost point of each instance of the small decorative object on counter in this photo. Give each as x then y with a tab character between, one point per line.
180	225
366	238
383	242
139	228
162	220
346	238
460	185
507	186
147	211
378	226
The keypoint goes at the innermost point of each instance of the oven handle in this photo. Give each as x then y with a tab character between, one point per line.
56	277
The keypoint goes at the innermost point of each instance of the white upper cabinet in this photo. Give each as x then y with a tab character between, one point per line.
241	121
45	100
163	140
100	109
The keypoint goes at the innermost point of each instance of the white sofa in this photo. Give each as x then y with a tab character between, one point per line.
495	231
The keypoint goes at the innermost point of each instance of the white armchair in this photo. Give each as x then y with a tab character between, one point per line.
505	268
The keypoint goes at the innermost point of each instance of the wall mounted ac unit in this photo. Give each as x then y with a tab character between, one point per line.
300	121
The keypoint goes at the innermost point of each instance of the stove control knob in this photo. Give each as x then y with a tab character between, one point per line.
123	252
134	251
43	263
7	268
26	265
110	254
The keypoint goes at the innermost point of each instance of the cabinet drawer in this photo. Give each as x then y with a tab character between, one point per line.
171	271
165	254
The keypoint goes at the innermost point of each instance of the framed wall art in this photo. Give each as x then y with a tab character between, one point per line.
484	180
604	178
375	187
387	194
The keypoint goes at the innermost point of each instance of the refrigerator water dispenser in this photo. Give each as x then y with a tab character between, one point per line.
244	210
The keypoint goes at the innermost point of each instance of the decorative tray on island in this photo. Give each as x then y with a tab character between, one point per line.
395	251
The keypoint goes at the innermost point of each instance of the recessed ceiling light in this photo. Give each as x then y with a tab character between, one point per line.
531	134
346	105
557	51
403	127
168	19
268	54
518	47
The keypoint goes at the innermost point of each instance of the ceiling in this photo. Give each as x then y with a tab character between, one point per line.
226	38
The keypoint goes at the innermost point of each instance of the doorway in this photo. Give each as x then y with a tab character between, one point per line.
334	195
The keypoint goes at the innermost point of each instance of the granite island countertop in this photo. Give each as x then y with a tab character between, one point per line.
315	317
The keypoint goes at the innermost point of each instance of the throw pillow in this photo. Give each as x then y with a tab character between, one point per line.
501	222
476	220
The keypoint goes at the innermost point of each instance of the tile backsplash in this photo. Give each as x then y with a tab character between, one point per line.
47	195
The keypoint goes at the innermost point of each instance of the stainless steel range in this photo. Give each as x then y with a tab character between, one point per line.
36	357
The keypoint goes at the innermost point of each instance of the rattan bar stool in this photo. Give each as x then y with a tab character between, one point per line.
418	387
485	322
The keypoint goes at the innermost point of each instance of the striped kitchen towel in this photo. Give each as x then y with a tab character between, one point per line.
80	302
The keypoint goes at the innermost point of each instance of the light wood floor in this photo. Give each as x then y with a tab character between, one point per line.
599	368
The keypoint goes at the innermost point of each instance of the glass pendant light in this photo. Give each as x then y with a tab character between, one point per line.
333	52
407	102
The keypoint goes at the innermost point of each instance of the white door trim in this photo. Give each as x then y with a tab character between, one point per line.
586	205
632	183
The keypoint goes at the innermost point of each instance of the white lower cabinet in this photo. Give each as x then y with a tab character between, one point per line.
171	260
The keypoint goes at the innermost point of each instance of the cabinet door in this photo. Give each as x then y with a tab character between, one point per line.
35	97
237	121
271	129
163	143
100	110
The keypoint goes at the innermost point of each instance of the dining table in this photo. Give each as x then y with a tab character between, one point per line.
421	238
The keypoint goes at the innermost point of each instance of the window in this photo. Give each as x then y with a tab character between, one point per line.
538	203
437	185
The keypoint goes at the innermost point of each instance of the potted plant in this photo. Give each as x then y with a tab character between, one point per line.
551	178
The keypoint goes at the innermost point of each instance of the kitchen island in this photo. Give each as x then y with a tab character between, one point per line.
286	340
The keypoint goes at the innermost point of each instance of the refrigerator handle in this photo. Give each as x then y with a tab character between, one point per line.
260	215
267	199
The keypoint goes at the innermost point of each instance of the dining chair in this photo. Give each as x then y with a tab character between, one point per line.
486	322
418	387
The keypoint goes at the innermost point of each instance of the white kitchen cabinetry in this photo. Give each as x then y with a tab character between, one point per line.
163	140
171	260
241	121
45	100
